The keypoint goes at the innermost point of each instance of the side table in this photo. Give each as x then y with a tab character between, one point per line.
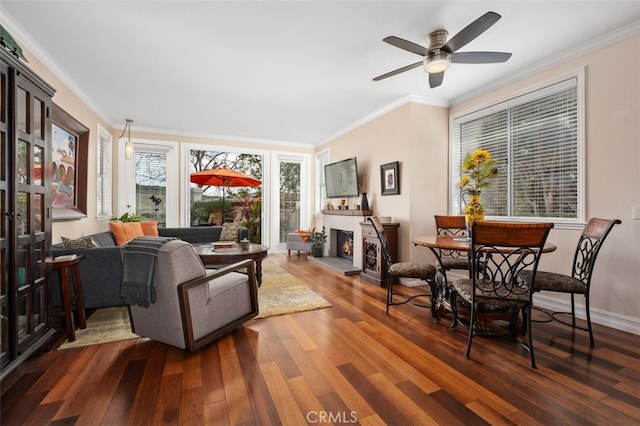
67	267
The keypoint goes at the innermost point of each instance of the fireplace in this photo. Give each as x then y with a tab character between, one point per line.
344	244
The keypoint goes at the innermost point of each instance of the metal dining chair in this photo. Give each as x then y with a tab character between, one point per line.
423	271
499	253
579	282
454	226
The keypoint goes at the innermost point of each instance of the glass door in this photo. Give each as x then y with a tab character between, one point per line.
292	196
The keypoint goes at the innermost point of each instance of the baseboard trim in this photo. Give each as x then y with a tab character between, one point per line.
598	316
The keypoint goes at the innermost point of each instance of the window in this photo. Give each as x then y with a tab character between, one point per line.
537	141
322	158
104	174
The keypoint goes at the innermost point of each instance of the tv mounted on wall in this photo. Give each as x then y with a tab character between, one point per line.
342	178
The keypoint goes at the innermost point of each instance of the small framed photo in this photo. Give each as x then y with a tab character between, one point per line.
390	179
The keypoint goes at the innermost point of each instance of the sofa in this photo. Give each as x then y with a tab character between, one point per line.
101	269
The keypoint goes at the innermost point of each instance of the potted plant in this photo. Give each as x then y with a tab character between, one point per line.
317	241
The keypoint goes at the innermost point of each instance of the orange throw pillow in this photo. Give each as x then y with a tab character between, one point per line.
126	231
304	235
150	228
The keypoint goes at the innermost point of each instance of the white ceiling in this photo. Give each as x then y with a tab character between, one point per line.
298	71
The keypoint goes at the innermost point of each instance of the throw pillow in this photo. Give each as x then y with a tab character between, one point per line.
304	235
150	228
83	242
229	231
125	231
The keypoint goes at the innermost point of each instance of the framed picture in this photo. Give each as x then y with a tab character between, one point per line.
390	179
69	145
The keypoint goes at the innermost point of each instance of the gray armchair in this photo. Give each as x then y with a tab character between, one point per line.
195	306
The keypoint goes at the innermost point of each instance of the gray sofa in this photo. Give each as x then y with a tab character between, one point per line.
101	269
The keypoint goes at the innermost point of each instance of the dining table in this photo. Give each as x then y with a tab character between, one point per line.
438	243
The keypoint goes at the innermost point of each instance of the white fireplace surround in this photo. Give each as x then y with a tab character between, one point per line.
333	223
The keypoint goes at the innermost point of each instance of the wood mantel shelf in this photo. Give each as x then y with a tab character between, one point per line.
348	212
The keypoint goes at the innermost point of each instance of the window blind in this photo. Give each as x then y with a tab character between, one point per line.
534	139
104	174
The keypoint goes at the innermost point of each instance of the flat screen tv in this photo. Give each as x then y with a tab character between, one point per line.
342	178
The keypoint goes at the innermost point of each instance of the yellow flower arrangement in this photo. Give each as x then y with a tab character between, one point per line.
478	167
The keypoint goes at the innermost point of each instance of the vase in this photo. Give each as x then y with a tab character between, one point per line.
474	209
364	202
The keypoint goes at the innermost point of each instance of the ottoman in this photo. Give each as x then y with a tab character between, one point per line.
295	242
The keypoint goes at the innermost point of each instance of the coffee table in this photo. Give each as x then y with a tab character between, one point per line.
228	255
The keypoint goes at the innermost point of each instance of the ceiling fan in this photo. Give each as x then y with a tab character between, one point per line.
440	52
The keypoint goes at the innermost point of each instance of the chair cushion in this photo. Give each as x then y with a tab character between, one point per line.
486	299
551	281
455	263
424	271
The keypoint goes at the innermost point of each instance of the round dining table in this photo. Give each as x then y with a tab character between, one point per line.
436	243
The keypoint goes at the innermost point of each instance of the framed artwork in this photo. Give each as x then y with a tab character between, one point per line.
69	145
390	179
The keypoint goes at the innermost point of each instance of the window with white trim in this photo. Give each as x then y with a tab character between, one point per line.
104	174
537	142
322	158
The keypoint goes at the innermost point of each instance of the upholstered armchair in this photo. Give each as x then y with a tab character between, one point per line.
195	306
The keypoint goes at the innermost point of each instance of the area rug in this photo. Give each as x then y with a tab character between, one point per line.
279	294
103	326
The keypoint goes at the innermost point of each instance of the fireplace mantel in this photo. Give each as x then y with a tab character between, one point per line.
338	212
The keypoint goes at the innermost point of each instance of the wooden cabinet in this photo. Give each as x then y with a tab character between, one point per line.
374	268
25	227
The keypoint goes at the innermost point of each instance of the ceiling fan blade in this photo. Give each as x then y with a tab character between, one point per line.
435	79
471	31
479	57
406	45
398	71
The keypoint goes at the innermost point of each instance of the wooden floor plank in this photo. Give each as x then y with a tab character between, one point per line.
344	364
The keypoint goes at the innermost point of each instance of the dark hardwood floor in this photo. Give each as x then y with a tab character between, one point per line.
343	365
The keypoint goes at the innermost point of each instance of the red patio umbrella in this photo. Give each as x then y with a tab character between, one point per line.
224	178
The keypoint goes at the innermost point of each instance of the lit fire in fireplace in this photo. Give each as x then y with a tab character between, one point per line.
344	244
347	249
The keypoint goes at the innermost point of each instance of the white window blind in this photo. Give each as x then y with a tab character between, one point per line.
104	174
535	140
322	159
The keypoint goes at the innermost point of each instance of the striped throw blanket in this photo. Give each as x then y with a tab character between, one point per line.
138	263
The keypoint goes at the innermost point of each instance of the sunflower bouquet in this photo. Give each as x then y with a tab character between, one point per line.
478	168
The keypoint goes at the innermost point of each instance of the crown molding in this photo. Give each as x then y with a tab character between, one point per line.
218	137
42	56
620	34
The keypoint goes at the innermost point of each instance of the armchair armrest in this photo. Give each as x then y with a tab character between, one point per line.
191	342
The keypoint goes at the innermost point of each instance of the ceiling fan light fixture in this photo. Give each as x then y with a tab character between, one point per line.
437	62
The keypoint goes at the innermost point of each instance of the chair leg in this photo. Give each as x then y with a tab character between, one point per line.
389	294
530	333
586	303
573	310
472	322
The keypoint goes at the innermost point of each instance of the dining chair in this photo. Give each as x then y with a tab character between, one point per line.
579	282
453	226
423	271
499	253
